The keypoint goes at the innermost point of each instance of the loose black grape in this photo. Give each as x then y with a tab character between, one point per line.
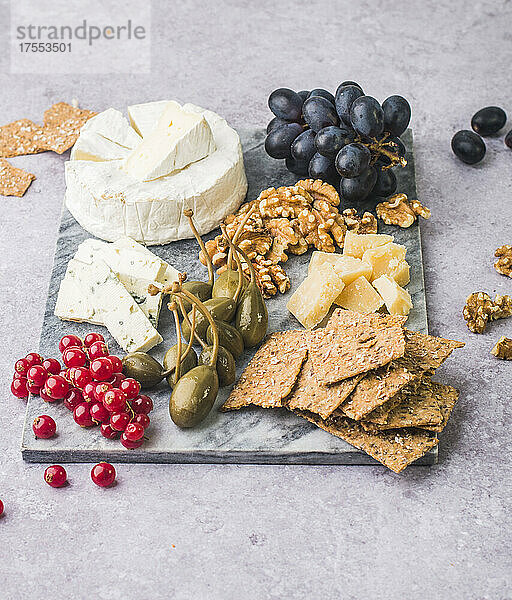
330	140
345	96
488	120
350	83
352	160
468	146
303	94
397	114
303	146
285	104
367	116
322	167
386	183
296	166
358	188
276	122
508	139
319	113
279	140
323	93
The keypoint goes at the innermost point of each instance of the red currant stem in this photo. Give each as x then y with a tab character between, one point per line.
177	368
238	233
187	321
205	312
189	213
233	249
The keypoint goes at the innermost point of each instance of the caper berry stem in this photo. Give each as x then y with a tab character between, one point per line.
234	251
174	309
192	331
238	232
249	263
189	213
206	313
187	321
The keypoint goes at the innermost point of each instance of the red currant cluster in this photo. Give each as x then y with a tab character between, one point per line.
91	385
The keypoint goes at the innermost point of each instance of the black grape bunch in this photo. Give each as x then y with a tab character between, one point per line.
347	139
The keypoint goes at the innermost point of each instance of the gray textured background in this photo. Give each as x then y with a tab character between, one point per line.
233	532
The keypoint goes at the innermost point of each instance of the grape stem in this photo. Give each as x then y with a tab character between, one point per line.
382	147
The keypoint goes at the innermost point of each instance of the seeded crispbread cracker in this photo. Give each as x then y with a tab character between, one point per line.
62	124
446	397
417	406
271	374
309	394
395	449
21	137
423	355
13	181
356	344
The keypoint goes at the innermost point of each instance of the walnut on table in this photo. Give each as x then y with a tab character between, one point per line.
504	263
480	309
401	211
503	348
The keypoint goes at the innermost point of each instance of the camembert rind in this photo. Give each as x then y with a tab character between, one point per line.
109	203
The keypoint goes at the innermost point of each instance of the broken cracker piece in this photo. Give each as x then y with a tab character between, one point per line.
395	449
309	394
353	343
271	374
423	355
62	124
13	181
446	398
21	137
503	348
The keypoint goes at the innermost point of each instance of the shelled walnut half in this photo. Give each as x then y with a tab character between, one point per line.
503	348
401	211
287	220
504	263
480	309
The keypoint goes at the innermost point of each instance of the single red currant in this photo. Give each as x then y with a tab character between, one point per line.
98	350
88	392
90	338
108	431
56	387
142	404
33	388
133	432
117	364
131	387
19	387
37	375
52	365
44	396
101	369
55	476
141	419
99	413
120	420
73	399
103	474
1	508
18	375
44	427
82	415
116	379
33	358
100	389
129	444
74	357
80	376
69	340
114	400
22	366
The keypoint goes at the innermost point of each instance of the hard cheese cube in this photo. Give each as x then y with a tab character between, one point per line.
401	273
384	259
398	301
312	300
348	267
360	296
357	244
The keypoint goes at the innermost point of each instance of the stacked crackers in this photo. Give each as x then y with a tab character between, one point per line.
363	378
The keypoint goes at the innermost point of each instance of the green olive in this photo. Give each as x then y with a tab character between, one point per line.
200	289
187	363
229	337
226	369
226	284
193	396
221	309
144	368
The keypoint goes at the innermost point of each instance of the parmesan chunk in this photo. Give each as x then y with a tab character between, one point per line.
398	301
360	296
348	267
356	244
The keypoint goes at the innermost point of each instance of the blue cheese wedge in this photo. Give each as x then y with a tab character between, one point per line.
73	304
180	138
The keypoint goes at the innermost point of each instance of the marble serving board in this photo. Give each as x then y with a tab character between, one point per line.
245	436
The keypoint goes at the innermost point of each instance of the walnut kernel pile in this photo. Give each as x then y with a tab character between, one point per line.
283	221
